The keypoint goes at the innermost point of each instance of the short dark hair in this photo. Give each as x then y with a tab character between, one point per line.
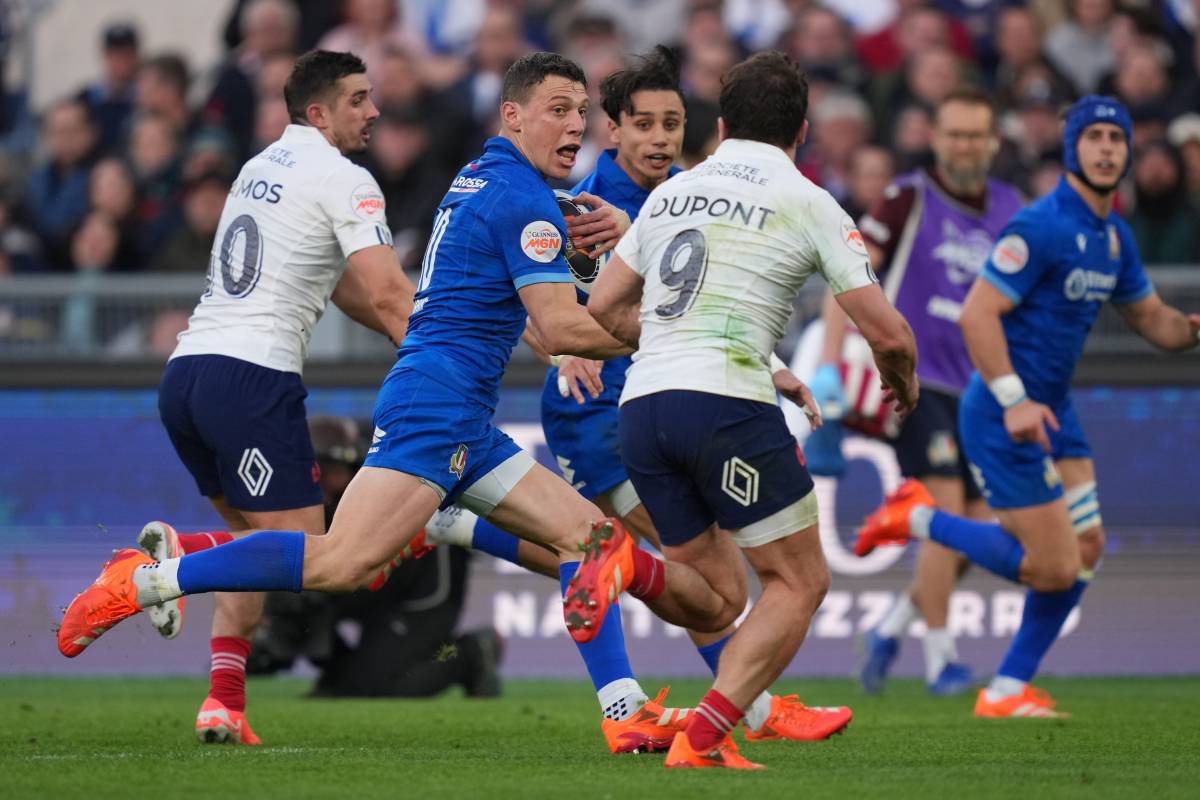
657	71
314	75
765	98
968	94
530	70
170	68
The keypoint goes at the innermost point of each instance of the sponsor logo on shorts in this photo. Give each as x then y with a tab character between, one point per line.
366	202
541	241
942	450
458	461
1011	254
255	471
739	480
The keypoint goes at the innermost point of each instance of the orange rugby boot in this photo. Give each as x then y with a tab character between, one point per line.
1032	702
217	724
791	719
650	729
160	541
725	754
111	598
605	572
888	524
416	548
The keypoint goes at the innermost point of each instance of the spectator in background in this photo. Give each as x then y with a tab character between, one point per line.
1032	131
1184	134
917	28
110	99
154	150
56	194
871	170
189	249
270	29
111	192
928	76
911	136
473	101
1163	218
1142	82
371	27
840	125
412	182
20	250
269	121
1018	50
820	42
1081	47
704	63
1044	178
162	87
93	250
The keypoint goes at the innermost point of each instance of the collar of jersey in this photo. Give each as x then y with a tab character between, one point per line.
503	148
615	181
305	133
1070	200
748	148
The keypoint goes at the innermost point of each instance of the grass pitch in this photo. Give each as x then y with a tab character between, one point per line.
131	738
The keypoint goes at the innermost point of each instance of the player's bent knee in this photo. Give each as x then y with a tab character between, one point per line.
1056	577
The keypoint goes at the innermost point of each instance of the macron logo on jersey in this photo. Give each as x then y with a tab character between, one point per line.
464	185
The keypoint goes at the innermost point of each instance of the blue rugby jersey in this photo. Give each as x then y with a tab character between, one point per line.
497	230
1058	262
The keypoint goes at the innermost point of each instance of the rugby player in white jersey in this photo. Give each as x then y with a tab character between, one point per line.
302	225
702	285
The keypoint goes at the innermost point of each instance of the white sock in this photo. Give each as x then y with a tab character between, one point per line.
939	651
1003	686
896	622
157	582
759	710
621	698
918	521
453	526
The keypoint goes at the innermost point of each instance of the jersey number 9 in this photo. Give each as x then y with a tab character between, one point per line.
682	267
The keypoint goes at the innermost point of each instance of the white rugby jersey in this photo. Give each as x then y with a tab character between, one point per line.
294	215
723	249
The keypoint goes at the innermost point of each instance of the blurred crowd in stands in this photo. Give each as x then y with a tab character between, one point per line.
130	173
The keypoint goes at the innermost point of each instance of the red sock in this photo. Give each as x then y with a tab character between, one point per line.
649	575
712	721
227	681
195	542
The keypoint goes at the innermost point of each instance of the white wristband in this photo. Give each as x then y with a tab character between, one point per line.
1008	390
777	364
555	360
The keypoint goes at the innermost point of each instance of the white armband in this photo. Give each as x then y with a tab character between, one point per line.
777	364
1008	390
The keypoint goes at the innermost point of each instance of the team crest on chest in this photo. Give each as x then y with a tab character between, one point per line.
458	461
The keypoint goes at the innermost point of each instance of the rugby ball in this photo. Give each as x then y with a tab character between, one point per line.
583	268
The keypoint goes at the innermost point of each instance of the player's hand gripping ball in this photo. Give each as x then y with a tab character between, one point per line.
584	268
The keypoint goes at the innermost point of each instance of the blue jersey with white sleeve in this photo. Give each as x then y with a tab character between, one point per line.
497	230
1057	261
583	437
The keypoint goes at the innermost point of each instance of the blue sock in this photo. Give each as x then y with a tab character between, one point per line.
711	653
984	543
1043	618
605	655
489	539
261	562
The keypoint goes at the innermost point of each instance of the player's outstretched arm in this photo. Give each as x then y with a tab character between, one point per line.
375	292
1160	324
563	326
891	341
1024	419
616	299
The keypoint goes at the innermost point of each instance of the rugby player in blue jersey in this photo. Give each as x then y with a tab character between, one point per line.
1025	324
495	257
